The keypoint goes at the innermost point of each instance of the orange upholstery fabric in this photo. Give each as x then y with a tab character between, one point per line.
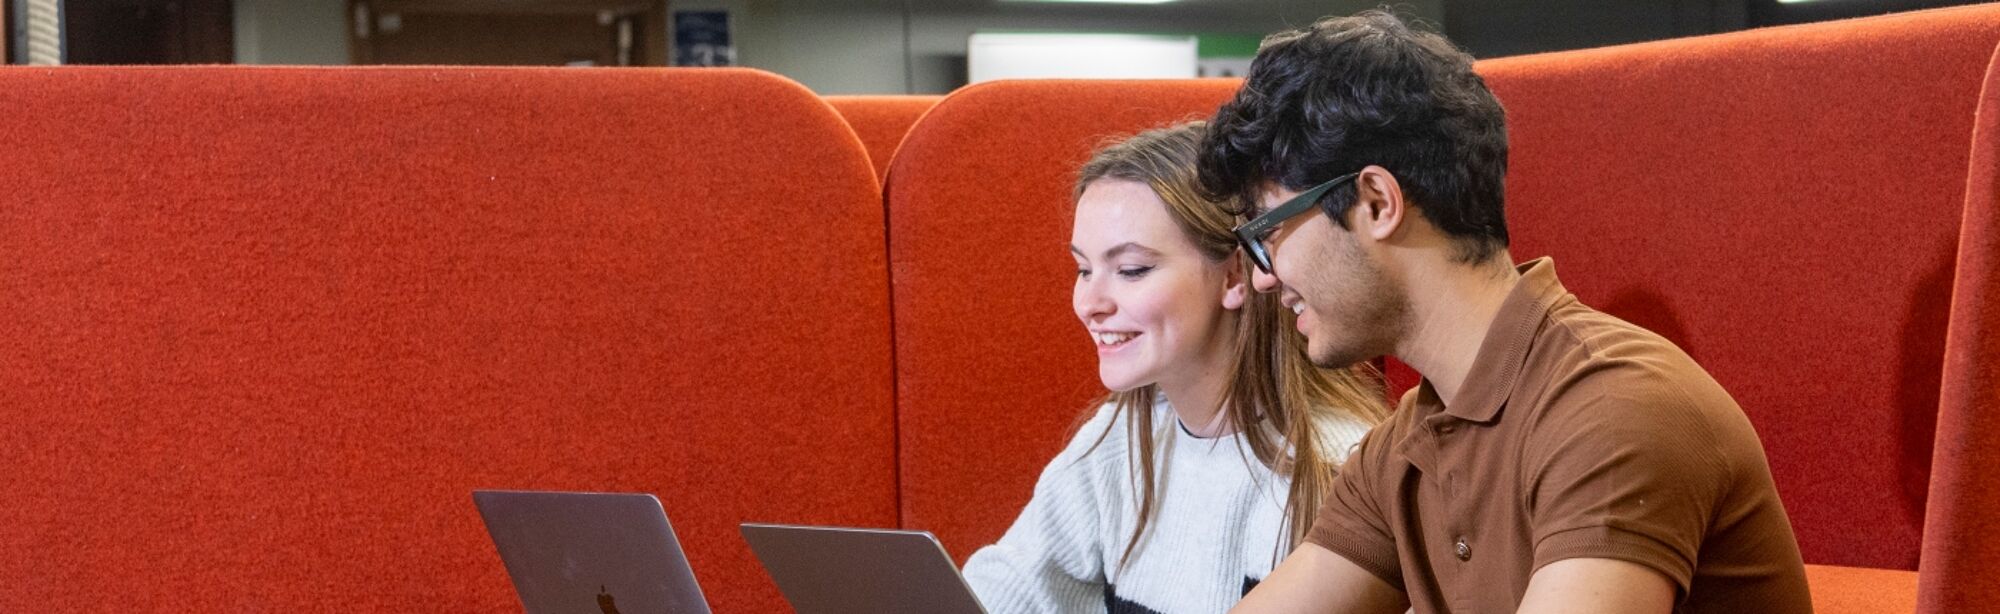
1963	527
1855	590
881	122
1785	205
992	367
267	328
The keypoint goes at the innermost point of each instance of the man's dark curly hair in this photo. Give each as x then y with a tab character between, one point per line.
1348	92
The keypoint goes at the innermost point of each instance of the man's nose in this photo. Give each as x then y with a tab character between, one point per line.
1262	281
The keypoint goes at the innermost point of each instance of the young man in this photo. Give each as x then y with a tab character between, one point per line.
1554	459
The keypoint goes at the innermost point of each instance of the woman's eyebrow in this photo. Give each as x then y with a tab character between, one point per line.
1119	250
1129	246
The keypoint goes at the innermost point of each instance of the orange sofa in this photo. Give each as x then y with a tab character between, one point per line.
269	326
881	122
1963	516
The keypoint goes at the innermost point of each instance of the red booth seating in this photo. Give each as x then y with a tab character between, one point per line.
1734	194
881	122
992	367
1964	512
1784	203
267	328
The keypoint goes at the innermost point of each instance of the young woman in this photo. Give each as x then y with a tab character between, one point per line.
1204	464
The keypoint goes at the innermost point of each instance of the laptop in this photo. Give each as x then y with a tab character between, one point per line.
590	552
832	570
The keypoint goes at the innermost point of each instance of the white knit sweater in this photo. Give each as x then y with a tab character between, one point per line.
1219	525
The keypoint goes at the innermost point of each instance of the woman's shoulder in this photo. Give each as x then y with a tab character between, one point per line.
1105	431
1340	432
1095	460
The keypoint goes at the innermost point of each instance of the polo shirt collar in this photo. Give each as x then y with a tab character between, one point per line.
1505	350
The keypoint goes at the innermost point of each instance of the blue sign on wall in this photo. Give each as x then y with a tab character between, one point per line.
701	38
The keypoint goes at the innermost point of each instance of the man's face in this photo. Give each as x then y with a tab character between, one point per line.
1348	308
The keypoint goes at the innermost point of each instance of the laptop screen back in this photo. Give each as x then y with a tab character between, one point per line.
827	570
590	552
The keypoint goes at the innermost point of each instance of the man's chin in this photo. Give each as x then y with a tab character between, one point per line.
1334	357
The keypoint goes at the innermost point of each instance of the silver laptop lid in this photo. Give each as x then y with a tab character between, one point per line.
590	552
831	570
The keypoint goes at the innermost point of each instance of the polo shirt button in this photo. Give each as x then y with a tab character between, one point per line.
1463	549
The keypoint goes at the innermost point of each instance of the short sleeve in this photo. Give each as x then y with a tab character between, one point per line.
1630	473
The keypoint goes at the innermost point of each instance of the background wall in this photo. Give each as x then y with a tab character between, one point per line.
1495	28
291	31
858	46
844	46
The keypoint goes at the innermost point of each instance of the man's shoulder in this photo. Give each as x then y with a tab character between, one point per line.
1595	374
1587	356
1582	335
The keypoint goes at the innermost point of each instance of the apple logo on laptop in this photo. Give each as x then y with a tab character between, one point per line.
605	602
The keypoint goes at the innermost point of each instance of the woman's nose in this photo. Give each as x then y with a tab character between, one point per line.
1090	301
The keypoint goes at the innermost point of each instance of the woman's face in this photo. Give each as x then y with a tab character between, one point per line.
1153	305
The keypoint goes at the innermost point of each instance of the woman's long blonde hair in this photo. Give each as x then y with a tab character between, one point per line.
1275	396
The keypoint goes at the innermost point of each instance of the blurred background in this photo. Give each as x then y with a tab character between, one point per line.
834	46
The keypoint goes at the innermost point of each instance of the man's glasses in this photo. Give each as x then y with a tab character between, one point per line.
1253	233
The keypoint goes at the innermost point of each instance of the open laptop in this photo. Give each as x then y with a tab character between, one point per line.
831	570
590	552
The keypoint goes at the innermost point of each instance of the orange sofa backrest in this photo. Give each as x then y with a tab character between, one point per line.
267	328
881	122
992	366
1962	527
1784	204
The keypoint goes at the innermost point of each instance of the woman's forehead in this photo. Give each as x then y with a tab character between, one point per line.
1125	216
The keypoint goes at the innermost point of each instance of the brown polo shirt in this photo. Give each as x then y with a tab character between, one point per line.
1576	435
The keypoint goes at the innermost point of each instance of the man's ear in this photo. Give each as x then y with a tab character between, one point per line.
1379	208
1236	282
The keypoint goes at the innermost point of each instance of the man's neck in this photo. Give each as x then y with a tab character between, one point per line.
1451	307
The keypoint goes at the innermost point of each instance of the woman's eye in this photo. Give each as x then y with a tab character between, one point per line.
1134	272
1083	273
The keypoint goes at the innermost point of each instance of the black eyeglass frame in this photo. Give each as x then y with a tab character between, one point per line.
1252	234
